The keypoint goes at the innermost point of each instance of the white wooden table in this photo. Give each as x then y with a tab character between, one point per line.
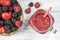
27	33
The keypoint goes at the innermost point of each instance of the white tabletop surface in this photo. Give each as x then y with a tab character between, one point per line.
27	33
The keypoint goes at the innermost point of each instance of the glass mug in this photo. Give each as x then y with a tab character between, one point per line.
39	23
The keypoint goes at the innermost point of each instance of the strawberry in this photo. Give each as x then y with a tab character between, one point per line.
6	15
6	3
18	23
37	5
17	8
28	10
2	29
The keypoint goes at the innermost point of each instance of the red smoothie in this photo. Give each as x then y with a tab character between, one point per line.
40	23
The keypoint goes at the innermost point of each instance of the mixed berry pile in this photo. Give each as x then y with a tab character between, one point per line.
10	12
31	4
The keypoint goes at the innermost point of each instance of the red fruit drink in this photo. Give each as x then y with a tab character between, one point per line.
40	23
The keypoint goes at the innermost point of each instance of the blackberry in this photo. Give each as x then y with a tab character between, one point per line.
5	8
11	8
13	29
30	4
5	22
18	18
7	27
8	31
8	22
13	20
13	1
19	14
14	4
1	22
14	15
0	10
11	25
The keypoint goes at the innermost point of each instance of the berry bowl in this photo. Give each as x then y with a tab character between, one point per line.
11	17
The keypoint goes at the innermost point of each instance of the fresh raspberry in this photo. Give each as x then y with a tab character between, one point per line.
18	23
37	5
17	8
28	10
2	29
6	3
6	15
